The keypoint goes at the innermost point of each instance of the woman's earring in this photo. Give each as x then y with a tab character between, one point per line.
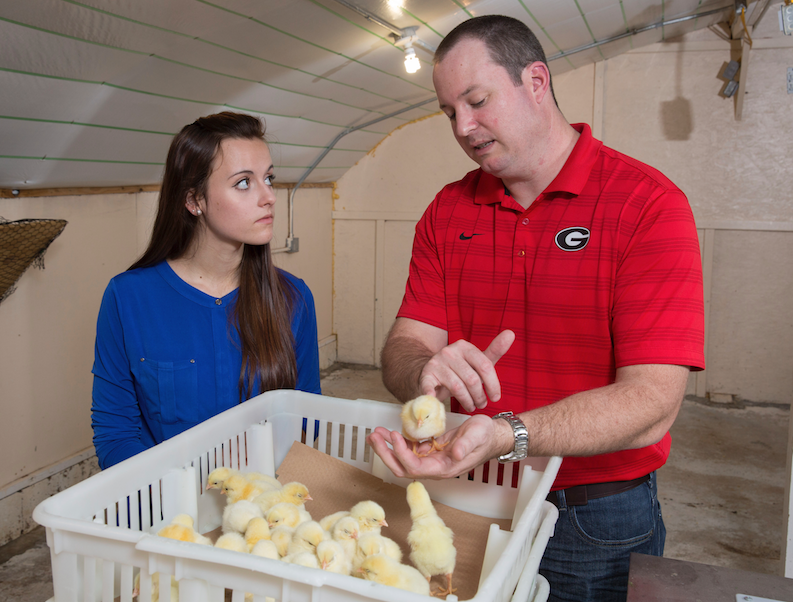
198	212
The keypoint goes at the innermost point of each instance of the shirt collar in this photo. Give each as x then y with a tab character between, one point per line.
571	178
575	172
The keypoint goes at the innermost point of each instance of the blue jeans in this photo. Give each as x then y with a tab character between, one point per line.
588	556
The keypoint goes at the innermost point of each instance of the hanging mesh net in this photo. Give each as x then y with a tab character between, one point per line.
22	244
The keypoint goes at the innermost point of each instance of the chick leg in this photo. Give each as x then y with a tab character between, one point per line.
449	589
434	448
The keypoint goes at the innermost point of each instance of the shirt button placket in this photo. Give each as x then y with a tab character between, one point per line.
523	222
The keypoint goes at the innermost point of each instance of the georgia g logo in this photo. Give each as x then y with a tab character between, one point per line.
572	239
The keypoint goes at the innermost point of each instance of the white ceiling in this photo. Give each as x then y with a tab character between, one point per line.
91	91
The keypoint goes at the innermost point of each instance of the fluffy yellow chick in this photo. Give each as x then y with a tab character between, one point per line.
266	549
332	558
370	516
237	488
155	588
423	418
258	530
181	529
264	481
232	541
370	544
237	515
306	538
306	559
345	532
430	540
283	514
329	521
281	536
218	476
387	571
293	493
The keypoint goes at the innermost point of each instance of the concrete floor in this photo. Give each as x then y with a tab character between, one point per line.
722	490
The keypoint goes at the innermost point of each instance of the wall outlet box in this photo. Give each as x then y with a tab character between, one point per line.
786	19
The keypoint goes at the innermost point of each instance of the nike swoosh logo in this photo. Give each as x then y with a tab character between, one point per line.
464	237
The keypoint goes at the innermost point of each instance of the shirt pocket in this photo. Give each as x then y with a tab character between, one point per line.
170	389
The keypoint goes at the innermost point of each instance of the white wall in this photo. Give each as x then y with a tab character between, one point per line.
660	104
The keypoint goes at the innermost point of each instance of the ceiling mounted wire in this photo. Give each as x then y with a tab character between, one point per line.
398	33
634	32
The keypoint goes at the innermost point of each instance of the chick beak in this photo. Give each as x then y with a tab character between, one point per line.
324	565
355	536
309	499
419	422
382	522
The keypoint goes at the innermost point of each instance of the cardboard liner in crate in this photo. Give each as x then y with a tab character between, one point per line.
335	485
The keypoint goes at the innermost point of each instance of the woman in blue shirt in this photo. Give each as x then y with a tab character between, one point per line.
203	320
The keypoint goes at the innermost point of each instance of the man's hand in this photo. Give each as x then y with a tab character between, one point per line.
463	371
477	440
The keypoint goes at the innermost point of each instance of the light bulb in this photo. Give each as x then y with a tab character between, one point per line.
412	63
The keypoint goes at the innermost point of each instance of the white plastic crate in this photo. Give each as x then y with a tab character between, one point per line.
101	531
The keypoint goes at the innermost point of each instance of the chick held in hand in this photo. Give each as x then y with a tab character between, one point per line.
387	571
432	550
423	419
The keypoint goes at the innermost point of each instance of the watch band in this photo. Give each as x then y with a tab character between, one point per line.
521	449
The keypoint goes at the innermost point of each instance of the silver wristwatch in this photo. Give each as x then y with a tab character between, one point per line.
521	449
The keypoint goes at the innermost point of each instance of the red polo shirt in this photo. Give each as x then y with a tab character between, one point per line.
602	270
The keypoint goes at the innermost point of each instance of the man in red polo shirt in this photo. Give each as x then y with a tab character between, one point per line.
577	270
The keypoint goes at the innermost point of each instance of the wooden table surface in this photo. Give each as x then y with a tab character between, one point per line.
654	579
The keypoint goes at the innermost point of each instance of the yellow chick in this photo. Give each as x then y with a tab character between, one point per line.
155	588
232	541
370	516
387	571
281	536
237	488
293	493
217	477
370	544
264	481
345	532
283	514
266	549
258	530
423	418
431	548
332	558
306	559
237	515
181	529
306	538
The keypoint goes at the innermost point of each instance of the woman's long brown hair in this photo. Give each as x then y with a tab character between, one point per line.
265	298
